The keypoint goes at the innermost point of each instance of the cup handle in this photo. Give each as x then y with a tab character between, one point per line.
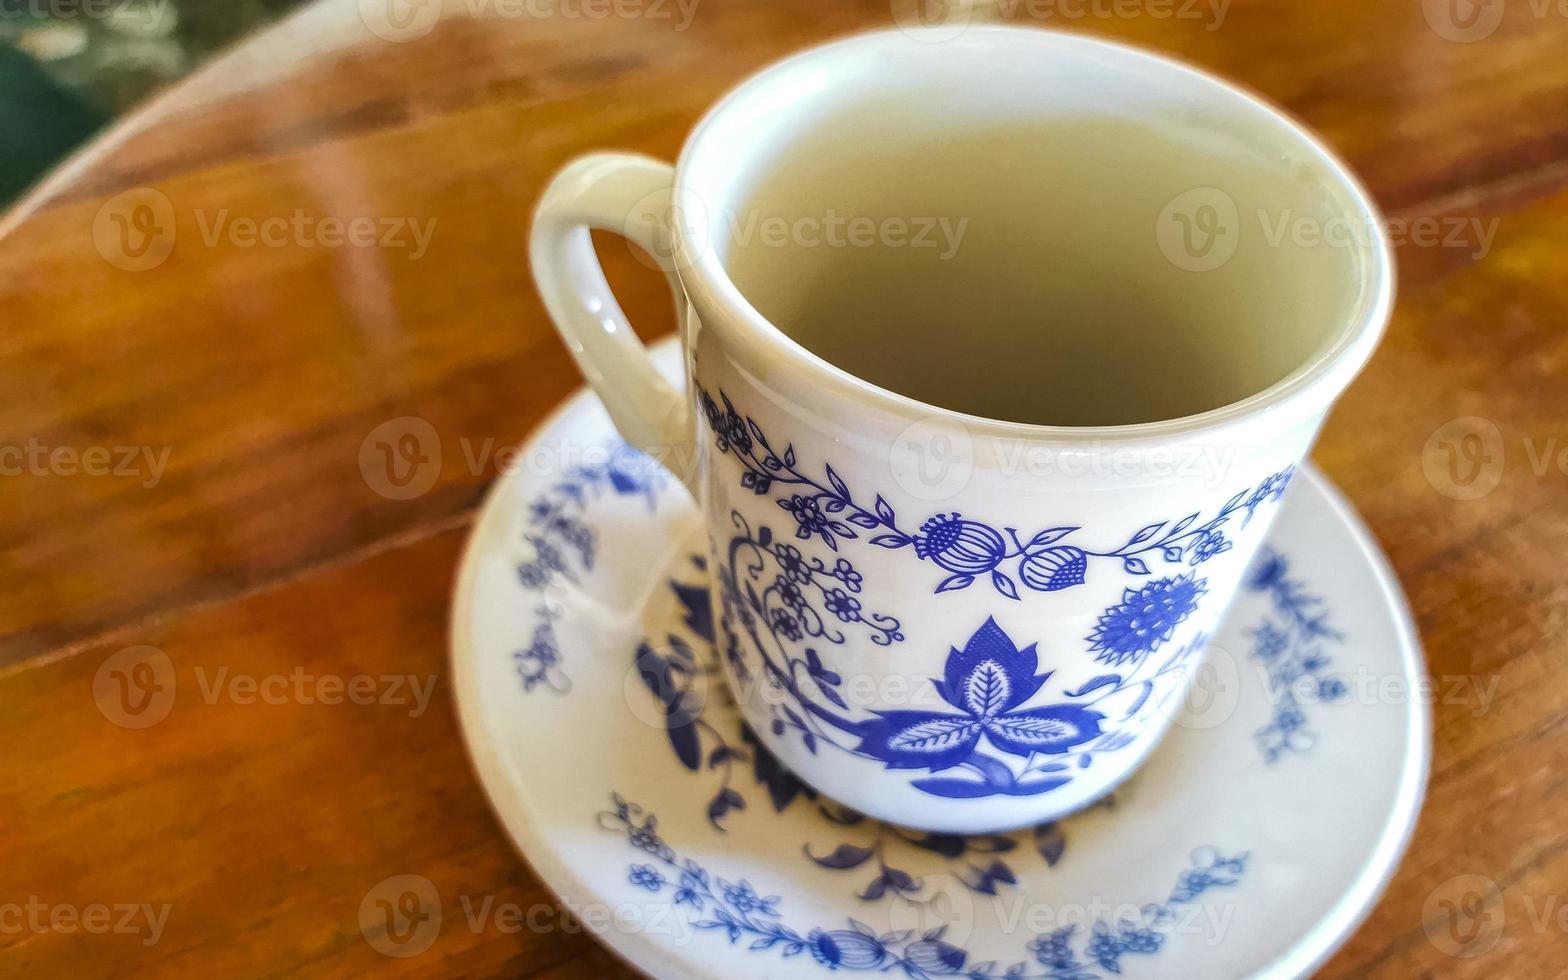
630	195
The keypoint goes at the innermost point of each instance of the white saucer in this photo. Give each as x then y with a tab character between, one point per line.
1251	844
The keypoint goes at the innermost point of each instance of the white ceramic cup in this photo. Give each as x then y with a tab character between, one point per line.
945	621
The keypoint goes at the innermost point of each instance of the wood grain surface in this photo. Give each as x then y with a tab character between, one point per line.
182	449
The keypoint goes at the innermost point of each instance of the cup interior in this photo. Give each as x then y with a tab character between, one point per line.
1031	227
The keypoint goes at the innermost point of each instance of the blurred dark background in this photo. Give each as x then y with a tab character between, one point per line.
69	67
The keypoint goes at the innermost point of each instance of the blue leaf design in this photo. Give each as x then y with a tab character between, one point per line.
1038	731
986	691
1146	533
884	511
844	857
1050	536
1148	689
864	520
1136	566
996	775
955	582
1004	585
1102	681
891	541
837	481
1050	842
934	735
954	789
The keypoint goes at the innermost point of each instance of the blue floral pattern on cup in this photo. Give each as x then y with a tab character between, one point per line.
990	684
825	510
670	671
739	912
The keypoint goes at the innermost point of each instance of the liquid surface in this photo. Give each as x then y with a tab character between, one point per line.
1074	272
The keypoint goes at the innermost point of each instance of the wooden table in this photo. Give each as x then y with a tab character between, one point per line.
188	427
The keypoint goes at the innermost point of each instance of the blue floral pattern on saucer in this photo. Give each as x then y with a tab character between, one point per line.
736	910
1291	648
564	545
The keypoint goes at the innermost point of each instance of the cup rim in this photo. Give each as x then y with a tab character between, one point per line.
1307	390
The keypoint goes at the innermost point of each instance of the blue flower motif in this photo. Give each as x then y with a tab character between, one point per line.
786	625
960	546
846	948
789	593
846	573
808	514
645	838
841	604
987	682
1209	544
728	427
1145	618
646	877
1054	949
536	663
792	563
743	898
1272	488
